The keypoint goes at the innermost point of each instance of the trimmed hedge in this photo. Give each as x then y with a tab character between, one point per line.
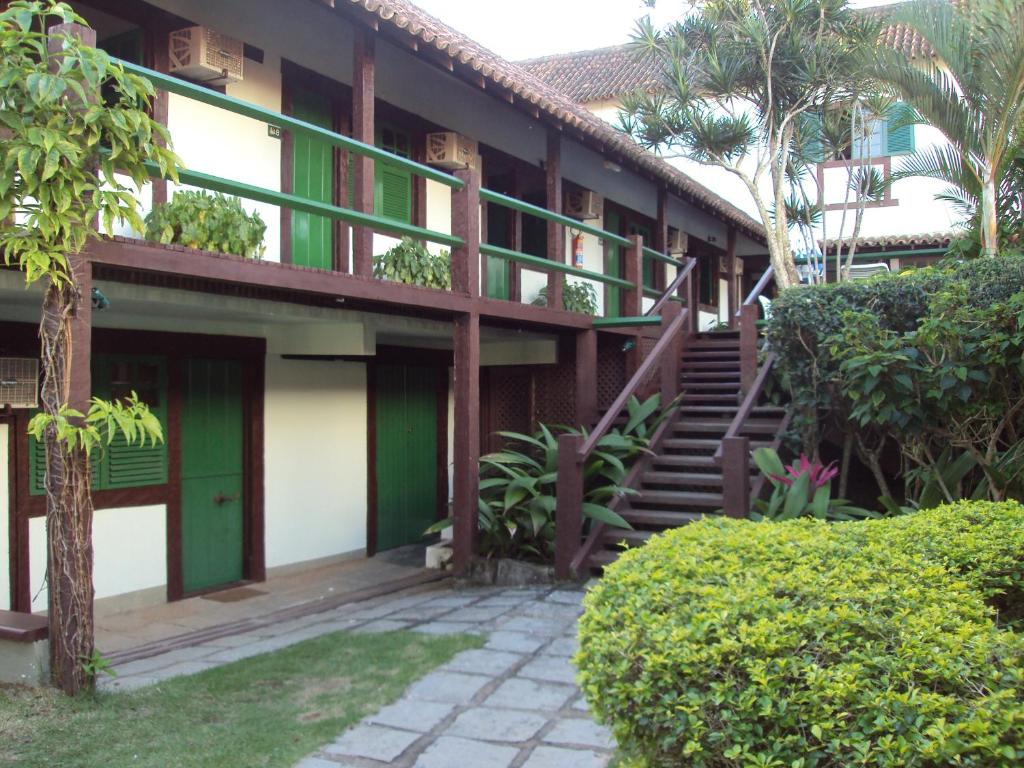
805	644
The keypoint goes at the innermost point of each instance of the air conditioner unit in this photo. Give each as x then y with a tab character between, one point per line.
583	204
19	382
678	242
451	150
205	55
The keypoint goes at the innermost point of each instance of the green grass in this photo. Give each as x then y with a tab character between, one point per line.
269	710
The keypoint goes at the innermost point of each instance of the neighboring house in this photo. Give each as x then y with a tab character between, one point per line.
313	413
907	225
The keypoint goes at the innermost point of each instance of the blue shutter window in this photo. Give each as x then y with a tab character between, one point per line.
900	130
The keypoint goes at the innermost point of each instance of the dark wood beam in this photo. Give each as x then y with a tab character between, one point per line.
555	231
586	378
732	283
466	446
661	235
363	65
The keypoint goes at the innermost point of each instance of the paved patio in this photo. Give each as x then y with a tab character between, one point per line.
511	704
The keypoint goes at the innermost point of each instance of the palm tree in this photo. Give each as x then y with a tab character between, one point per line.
971	89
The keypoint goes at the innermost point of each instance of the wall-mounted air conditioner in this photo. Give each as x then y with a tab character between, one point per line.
451	150
583	204
205	55
19	382
678	242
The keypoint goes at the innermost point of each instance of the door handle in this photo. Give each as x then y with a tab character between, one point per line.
220	498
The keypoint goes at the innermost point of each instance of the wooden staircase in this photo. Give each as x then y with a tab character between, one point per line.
683	480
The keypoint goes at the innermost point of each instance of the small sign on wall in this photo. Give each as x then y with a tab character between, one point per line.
274	131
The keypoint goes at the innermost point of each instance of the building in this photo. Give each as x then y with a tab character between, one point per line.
313	412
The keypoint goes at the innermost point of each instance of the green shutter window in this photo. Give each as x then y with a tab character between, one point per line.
392	184
900	130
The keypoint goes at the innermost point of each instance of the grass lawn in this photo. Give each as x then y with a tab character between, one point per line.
269	710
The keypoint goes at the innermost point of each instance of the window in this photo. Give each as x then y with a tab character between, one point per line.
120	465
887	135
392	184
708	282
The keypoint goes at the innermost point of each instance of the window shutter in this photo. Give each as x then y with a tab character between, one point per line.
124	465
810	130
36	467
393	192
900	130
350	178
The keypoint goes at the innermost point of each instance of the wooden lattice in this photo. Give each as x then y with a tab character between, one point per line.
504	404
611	371
555	392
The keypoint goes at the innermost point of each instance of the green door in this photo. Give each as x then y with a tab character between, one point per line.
497	269
613	305
211	474
407	452
313	178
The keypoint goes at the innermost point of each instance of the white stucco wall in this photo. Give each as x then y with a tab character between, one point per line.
129	546
316	468
5	505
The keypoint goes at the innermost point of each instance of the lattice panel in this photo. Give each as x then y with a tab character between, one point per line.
555	392
507	404
611	371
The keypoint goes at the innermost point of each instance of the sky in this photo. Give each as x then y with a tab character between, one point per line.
521	29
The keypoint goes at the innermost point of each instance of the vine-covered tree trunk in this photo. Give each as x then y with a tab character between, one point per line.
68	501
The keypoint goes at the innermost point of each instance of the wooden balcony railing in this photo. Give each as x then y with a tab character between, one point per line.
574	450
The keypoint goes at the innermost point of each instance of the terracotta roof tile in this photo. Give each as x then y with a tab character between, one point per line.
919	240
527	87
602	73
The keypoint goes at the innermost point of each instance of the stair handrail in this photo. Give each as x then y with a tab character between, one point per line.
681	276
758	289
747	315
574	449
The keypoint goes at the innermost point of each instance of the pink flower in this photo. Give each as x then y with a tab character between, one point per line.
819	474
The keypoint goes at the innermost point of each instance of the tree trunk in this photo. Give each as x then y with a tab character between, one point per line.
989	219
68	504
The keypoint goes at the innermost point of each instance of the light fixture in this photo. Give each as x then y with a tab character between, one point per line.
613	167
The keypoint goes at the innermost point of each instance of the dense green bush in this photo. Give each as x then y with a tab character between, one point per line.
197	219
862	356
410	262
814	645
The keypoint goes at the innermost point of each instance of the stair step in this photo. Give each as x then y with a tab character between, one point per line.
703	353
681	499
686	408
682	478
614	536
712	375
707	386
721	425
711	365
688	462
702	444
714	397
661	518
601	558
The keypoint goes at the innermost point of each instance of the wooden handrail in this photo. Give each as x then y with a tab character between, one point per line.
681	277
748	404
641	375
758	288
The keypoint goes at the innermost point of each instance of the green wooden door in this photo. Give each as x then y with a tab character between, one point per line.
613	304
313	178
407	453
211	474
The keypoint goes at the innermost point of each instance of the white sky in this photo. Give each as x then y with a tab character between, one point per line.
520	29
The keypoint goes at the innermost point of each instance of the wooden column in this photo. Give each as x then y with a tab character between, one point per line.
672	361
568	504
736	476
748	345
586	378
466	447
363	130
661	235
632	298
80	389
515	289
556	232
733	291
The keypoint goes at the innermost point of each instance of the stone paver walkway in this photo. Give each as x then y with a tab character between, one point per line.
511	704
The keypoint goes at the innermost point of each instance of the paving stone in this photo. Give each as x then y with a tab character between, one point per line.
447	687
484	662
556	669
454	601
382	625
519	693
424	612
372	612
182	669
580	731
231	641
562	646
556	757
374	742
489	724
453	752
558	611
479	613
580	705
517	642
566	597
446	628
229	655
152	663
319	762
508	601
533	625
412	715
129	683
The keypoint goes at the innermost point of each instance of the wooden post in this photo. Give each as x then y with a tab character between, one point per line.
515	291
465	259
732	290
661	236
736	476
586	378
363	54
556	232
671	362
692	297
633	298
568	504
748	345
466	447
465	266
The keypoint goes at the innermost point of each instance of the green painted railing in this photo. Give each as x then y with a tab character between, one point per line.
626	322
551	266
487	196
172	84
650	253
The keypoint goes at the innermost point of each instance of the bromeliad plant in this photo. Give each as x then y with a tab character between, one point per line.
410	262
518	484
803	489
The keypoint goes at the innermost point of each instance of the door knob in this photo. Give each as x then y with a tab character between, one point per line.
220	498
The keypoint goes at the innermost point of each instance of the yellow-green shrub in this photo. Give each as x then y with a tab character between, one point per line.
806	644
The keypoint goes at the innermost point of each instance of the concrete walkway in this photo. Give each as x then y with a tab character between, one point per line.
512	704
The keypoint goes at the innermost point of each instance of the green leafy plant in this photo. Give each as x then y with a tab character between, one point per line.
410	262
209	222
518	483
888	643
96	665
576	297
803	489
